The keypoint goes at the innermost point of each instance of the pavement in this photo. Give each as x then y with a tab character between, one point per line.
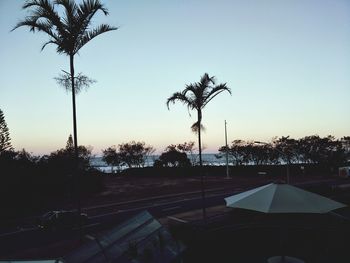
194	215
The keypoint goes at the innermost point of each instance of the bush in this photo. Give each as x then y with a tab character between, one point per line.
172	157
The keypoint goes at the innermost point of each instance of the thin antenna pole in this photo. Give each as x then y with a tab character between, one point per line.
227	175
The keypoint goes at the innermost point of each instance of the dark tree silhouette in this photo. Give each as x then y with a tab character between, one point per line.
196	96
69	144
259	154
326	151
134	154
5	140
63	160
345	142
112	157
290	148
69	32
69	29
174	156
236	152
188	148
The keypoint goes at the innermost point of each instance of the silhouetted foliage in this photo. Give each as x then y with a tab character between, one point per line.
32	183
6	159
5	140
260	154
237	152
134	154
345	144
188	148
173	157
81	82
69	30
70	144
112	157
196	96
63	160
308	150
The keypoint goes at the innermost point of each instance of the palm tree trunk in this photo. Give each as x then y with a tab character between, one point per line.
201	162
75	140
199	138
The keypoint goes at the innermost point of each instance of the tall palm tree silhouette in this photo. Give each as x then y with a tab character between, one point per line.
196	96
68	29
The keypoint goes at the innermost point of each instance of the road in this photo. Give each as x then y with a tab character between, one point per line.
106	216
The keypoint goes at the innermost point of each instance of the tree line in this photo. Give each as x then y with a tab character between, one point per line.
307	150
36	182
134	155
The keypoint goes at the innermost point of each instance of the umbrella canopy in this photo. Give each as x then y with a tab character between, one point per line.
282	198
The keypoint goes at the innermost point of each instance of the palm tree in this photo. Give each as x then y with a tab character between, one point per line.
70	29
196	96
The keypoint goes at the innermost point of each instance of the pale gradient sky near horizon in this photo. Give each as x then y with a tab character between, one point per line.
286	62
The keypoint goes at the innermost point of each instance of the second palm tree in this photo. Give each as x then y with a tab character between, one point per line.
196	96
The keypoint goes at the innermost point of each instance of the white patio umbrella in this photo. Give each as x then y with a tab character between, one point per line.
282	198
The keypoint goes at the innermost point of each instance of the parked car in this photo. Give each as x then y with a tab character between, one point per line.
61	220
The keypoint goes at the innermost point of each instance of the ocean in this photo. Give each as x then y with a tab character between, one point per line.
208	159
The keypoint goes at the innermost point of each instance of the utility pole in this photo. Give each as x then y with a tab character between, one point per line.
227	175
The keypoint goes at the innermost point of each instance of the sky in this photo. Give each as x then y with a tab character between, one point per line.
286	62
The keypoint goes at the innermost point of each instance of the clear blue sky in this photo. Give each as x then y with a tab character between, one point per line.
287	63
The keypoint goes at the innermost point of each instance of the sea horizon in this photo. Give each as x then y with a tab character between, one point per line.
207	158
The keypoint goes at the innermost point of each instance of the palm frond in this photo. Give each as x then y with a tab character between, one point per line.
70	11
206	80
81	81
90	6
181	97
70	31
195	127
43	17
85	11
49	42
195	94
38	3
214	92
90	34
190	88
70	8
30	23
44	9
43	26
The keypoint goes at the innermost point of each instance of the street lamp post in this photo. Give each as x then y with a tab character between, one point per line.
227	173
284	154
